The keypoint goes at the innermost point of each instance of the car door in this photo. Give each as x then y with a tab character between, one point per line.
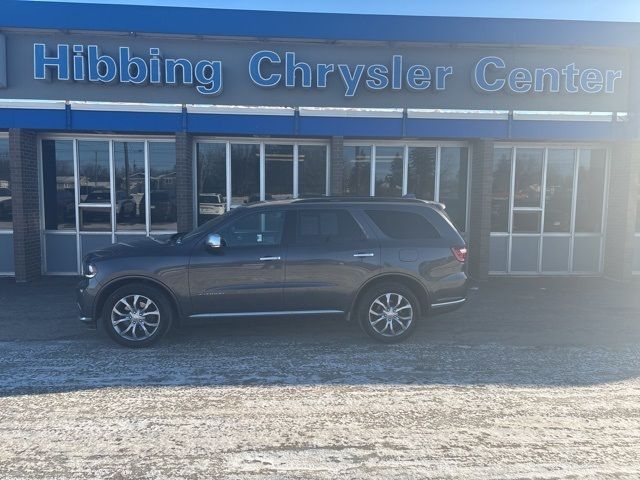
245	275
329	255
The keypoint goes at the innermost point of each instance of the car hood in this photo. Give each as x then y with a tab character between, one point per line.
146	246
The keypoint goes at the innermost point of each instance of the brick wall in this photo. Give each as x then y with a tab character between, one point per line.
23	166
480	208
184	181
621	211
336	169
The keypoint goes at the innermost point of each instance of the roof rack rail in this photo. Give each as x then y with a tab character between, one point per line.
369	200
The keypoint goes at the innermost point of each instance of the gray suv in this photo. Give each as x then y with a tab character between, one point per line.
384	263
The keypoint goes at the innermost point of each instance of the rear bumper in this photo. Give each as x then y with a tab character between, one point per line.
448	306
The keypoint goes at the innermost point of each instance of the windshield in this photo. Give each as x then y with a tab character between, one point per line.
209	225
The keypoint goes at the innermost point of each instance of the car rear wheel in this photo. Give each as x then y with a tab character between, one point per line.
136	315
389	312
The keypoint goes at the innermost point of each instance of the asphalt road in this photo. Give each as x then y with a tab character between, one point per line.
532	379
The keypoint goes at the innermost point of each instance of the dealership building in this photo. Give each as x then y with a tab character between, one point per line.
120	121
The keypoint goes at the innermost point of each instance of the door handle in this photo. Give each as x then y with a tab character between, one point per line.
269	259
360	255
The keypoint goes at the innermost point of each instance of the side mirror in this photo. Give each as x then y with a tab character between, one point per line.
214	241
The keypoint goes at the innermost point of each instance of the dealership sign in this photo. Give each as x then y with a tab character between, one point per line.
268	69
187	70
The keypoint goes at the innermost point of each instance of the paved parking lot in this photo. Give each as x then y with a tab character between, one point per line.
531	379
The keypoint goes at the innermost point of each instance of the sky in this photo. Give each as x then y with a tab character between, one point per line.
607	10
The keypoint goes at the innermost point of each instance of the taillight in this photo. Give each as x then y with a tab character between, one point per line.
460	253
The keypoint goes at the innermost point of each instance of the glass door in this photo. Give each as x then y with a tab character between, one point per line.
548	210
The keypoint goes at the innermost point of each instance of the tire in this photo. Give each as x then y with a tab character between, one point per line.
389	325
147	326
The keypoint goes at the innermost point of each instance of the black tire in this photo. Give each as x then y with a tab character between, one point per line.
399	297
145	294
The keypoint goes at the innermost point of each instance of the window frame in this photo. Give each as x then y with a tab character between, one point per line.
283	238
392	212
262	142
405	165
113	233
572	234
291	237
5	136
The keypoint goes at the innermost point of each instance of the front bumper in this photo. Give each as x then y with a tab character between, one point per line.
84	301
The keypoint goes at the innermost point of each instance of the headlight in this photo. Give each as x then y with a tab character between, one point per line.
90	270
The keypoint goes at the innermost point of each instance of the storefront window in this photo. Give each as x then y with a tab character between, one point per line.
58	185
556	213
638	207
559	190
245	173
162	186
312	170
129	178
421	178
526	222
278	164
591	176
212	180
501	190
389	167
529	163
95	186
357	171
453	183
6	218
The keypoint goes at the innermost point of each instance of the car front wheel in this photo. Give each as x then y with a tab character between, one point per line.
136	315
389	312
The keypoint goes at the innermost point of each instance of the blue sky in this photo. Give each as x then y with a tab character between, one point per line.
610	10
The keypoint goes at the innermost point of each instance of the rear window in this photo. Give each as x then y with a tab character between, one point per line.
403	225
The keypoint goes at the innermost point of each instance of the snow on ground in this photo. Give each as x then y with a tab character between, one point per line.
247	408
529	380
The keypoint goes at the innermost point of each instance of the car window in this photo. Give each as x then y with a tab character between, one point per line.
323	226
403	225
98	197
260	228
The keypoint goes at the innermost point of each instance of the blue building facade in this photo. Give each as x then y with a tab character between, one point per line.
120	121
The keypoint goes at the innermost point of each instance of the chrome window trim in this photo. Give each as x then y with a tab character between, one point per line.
265	314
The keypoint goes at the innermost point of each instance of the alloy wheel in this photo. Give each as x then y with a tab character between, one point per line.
135	317
390	314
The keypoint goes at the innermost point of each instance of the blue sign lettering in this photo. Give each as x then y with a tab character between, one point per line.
268	69
378	79
292	67
209	75
41	62
255	68
418	77
480	74
491	75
